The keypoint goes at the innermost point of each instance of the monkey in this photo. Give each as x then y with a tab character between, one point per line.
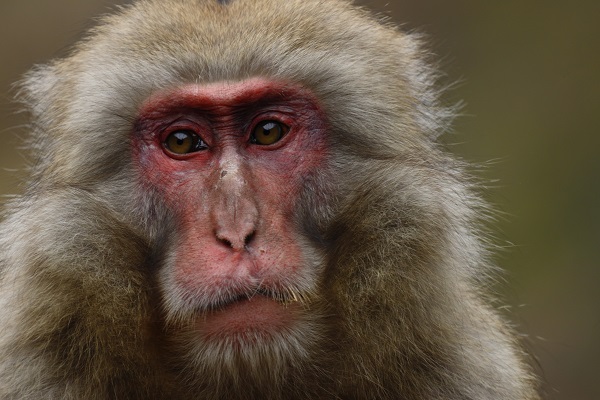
246	199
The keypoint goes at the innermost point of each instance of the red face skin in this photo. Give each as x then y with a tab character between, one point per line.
234	202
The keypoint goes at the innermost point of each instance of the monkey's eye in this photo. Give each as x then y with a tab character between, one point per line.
183	142
268	132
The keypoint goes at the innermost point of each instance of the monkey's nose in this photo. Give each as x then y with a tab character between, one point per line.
235	222
237	241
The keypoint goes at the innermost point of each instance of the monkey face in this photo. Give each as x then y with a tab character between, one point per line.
229	162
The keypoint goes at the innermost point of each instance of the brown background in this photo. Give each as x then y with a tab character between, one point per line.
528	73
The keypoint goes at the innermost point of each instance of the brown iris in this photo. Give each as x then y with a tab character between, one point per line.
268	132
183	142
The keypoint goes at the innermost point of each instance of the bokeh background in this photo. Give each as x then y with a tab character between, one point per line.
527	72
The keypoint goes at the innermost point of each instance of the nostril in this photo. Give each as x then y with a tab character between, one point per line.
235	242
249	238
226	242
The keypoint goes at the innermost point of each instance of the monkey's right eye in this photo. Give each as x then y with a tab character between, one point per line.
184	142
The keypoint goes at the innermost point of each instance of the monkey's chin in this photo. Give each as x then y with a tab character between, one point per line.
248	320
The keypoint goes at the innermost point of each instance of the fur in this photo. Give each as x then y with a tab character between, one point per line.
401	311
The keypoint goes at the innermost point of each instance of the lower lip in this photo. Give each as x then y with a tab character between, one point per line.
248	319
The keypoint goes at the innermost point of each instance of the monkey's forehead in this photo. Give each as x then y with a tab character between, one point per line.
326	45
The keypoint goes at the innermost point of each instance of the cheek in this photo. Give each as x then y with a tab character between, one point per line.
181	191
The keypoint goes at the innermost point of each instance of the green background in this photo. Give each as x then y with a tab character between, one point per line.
527	72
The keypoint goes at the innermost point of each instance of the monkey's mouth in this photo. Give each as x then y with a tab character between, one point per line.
257	313
282	298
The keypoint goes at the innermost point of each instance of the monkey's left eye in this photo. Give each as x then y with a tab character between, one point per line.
183	142
268	132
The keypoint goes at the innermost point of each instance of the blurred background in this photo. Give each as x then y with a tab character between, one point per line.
527	72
